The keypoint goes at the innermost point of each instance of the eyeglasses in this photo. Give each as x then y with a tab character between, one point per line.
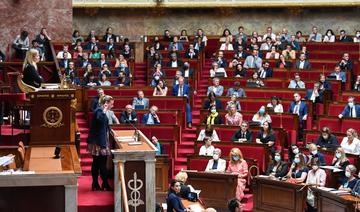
243	125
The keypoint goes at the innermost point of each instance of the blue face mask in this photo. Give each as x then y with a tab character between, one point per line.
156	78
235	158
351	104
262	111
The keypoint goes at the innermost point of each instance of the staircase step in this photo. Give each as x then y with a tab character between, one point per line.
181	160
186	151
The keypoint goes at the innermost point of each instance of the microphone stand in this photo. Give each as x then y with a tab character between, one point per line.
136	134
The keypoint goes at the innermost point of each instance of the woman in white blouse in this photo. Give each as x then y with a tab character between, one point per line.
351	143
275	105
329	36
215	69
207	149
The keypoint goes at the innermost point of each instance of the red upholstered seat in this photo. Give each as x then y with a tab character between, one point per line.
198	163
332	123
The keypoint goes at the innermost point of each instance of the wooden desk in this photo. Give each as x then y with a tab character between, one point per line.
162	167
216	188
52	186
273	195
330	202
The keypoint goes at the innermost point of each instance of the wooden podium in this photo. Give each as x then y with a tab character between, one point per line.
52	118
134	172
273	195
329	202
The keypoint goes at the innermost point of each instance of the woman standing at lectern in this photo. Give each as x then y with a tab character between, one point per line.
31	75
98	143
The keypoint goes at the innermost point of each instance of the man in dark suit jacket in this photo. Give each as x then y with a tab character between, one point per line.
221	60
243	134
344	38
186	71
265	71
111	45
191	52
314	153
183	89
151	117
90	46
175	62
128	115
351	109
302	63
178	45
83	61
346	64
299	107
315	95
95	101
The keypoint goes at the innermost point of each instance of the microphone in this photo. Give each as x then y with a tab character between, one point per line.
136	134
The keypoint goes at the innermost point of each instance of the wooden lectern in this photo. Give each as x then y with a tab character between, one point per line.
134	172
329	202
52	118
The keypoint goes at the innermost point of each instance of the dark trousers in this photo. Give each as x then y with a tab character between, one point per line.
99	165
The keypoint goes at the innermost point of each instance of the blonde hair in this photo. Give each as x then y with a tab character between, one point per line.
29	59
343	155
353	132
235	151
105	99
181	176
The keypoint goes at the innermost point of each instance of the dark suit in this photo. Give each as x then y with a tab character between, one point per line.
238	135
318	99
346	39
98	63
124	117
31	76
174	203
105	37
326	85
303	109
218	104
281	170
82	63
185	92
330	143
194	56
287	64
191	71
346	111
109	47
146	117
179	63
99	128
90	46
222	63
64	63
306	66
320	157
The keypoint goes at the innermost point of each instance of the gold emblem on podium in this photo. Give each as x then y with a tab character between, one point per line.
52	117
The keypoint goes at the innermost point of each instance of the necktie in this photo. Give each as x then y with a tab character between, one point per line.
243	135
351	112
315	36
296	109
253	62
181	91
297	85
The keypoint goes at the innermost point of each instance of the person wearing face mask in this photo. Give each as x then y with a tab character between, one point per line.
294	150
216	164
316	177
351	180
351	143
239	166
315	154
210	132
261	116
277	168
213	117
207	149
298	170
327	140
351	110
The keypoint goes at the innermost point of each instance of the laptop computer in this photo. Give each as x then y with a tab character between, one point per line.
139	107
219	74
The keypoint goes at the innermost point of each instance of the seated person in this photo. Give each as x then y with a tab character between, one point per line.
128	115
234	205
346	64
173	201
243	134
351	143
233	118
275	105
266	135
95	53
302	63
64	62
213	101
187	72
240	52
255	80
345	38
351	180
253	61
272	54
184	189
151	117
215	70
90	80
289	53
175	62
213	117
265	71
298	170
325	85
296	83
240	71
327	140
221	60
261	116
338	74
314	153
122	80
282	63
238	166
266	46
316	177
105	70
277	167
191	52
159	147
216	87
103	81
315	95
233	101
207	149
340	161
160	89
140	102
216	164
239	92
208	132
356	86
294	150
227	46
351	110
175	43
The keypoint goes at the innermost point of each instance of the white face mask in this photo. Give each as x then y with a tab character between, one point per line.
215	156
338	155
347	174
315	167
314	152
277	158
296	160
296	151
213	111
351	104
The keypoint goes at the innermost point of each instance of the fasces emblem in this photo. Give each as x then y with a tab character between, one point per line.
52	117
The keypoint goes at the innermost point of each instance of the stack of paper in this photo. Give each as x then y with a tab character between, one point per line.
6	160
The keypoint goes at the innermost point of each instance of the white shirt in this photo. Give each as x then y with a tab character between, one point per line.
174	64
221	166
318	177
60	55
353	148
208	151
301	65
219	70
214	136
313	96
278	108
186	73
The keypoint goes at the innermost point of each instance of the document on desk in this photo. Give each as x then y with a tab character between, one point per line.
333	168
326	189
196	208
340	192
192	189
6	160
